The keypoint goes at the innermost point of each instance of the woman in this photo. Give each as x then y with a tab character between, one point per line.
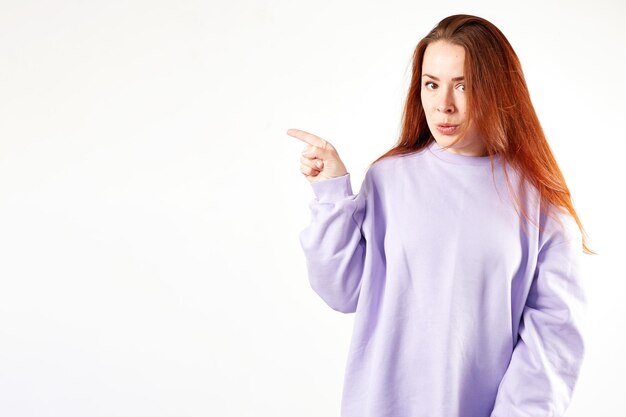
460	253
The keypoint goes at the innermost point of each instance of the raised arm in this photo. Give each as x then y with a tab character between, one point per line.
333	243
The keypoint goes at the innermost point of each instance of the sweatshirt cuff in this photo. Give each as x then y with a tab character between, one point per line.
333	189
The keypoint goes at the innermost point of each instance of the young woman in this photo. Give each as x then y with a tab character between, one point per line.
460	253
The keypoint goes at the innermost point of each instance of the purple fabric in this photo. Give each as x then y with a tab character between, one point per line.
462	309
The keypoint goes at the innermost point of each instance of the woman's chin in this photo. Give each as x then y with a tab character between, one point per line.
445	141
459	148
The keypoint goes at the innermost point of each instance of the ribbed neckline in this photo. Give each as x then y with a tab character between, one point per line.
455	158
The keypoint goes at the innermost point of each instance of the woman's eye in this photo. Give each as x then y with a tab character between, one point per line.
430	85
462	87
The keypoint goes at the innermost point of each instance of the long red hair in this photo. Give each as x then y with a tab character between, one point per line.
498	103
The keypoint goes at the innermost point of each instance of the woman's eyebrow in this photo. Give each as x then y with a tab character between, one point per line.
461	78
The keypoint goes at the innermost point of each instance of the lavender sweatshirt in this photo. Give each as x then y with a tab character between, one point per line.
462	309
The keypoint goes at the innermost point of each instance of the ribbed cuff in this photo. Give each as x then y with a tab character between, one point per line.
333	189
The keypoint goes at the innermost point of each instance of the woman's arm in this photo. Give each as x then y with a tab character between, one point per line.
546	361
333	244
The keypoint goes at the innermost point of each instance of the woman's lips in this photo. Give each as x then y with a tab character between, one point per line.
446	128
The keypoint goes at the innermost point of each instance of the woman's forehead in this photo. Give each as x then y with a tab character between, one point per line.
443	60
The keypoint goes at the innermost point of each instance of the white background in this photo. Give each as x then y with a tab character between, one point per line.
150	200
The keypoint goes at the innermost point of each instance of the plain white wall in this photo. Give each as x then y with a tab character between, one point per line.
150	200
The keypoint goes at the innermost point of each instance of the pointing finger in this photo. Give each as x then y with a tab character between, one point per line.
307	137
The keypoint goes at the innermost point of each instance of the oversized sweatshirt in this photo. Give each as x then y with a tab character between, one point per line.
463	307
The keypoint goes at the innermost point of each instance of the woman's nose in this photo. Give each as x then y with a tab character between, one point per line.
446	104
445	107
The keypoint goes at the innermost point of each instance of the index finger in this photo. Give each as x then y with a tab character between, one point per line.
307	137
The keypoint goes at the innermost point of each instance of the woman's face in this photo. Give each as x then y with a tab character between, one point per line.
443	98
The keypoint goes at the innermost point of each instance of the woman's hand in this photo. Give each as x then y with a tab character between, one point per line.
319	160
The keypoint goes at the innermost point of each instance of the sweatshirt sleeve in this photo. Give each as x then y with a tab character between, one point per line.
546	360
333	243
